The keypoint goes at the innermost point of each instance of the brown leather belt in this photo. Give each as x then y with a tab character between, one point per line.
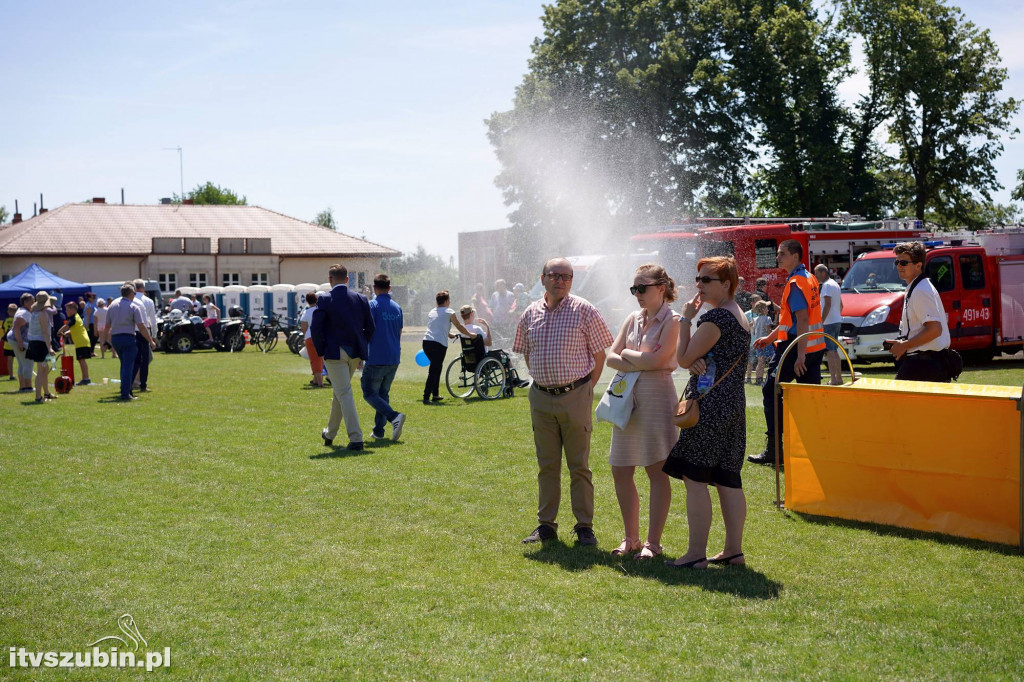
560	390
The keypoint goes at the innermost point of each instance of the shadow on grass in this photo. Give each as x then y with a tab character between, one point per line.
341	452
908	533
738	581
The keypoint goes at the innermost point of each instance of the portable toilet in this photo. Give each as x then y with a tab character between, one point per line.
235	295
217	294
259	305
284	302
326	286
300	295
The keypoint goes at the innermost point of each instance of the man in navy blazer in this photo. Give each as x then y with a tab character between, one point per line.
341	328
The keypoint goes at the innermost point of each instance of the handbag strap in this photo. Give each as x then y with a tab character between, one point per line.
720	379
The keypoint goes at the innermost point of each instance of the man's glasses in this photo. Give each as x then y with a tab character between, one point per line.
641	288
559	277
902	263
706	280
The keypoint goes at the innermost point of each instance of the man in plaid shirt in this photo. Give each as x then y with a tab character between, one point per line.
563	339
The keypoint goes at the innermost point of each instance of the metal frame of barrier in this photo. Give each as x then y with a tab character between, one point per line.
777	391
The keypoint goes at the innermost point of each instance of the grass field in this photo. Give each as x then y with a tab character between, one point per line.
211	512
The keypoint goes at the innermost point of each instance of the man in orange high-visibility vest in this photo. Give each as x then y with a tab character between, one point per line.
801	312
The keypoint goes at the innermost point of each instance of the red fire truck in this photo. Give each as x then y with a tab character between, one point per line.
980	281
678	248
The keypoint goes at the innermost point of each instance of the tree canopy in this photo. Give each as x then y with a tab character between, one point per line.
643	112
209	193
325	218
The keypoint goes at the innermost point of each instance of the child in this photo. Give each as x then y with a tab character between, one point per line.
762	327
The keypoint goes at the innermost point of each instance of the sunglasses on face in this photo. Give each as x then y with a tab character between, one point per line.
706	280
902	263
559	277
640	288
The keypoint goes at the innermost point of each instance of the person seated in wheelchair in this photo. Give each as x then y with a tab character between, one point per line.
482	343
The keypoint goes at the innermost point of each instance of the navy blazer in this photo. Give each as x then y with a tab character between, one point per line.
341	319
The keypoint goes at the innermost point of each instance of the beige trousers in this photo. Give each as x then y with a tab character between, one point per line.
343	402
563	422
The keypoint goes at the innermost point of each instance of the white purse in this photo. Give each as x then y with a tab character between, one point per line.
616	404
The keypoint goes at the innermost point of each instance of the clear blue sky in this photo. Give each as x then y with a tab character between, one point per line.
373	110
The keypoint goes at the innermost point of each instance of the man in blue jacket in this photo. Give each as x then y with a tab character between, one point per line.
385	354
341	329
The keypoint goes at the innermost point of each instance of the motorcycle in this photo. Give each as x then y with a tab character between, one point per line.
182	333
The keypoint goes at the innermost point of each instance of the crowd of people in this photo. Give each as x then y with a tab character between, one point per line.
566	344
37	328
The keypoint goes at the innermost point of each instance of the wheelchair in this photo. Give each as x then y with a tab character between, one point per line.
489	374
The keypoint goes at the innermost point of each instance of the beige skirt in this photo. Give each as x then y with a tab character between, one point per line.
650	434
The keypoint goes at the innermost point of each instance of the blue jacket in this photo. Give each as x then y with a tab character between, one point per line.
341	320
386	348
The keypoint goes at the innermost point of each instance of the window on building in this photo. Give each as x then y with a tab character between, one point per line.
168	282
229	278
197	279
261	278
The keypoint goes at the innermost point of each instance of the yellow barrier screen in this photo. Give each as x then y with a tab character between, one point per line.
934	457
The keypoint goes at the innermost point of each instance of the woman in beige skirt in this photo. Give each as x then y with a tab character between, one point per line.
646	343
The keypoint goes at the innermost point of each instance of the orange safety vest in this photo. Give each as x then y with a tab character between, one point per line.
810	288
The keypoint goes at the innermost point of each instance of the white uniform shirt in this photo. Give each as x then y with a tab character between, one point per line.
924	305
831	291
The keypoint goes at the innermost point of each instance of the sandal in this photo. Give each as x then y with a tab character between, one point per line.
728	560
649	551
49	396
628	545
688	564
44	399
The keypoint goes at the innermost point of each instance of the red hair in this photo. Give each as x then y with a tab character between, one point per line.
724	267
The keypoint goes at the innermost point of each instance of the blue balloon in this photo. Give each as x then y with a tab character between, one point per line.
421	359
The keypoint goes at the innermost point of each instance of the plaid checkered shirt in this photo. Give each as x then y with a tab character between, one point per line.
559	345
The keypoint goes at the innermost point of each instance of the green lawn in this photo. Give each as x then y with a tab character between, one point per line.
211	512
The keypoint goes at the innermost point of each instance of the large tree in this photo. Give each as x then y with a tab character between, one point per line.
938	79
3	214
788	62
625	119
209	193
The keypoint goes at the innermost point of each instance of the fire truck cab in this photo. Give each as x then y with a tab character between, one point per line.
981	284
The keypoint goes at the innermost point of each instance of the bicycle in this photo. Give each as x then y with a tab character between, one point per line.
265	337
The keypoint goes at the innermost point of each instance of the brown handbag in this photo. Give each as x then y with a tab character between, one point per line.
687	409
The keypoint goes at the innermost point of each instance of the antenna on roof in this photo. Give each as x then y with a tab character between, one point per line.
181	167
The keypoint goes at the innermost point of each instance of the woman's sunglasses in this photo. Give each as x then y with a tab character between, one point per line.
706	280
642	288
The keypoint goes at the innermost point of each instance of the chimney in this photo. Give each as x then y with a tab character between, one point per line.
166	201
43	210
99	200
188	202
16	219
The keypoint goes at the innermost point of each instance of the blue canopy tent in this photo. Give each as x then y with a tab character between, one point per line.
34	279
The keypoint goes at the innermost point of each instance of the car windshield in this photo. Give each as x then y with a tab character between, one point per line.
872	275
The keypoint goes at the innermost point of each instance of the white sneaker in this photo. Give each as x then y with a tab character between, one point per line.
397	425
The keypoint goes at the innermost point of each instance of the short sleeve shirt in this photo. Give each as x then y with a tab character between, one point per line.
796	300
123	316
439	324
924	305
560	344
79	337
831	291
